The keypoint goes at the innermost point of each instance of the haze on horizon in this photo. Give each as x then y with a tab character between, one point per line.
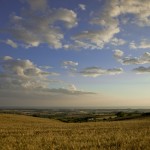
75	53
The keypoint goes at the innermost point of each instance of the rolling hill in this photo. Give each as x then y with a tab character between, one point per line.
19	132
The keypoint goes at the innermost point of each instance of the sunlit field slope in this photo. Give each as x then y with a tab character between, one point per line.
19	132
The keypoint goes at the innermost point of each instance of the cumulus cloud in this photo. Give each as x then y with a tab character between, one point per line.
144	59
108	28
109	23
72	87
96	71
17	74
71	90
22	74
139	9
95	38
142	70
33	31
82	6
143	44
114	71
118	53
10	43
67	64
39	24
117	42
71	66
132	45
34	28
69	17
7	58
78	45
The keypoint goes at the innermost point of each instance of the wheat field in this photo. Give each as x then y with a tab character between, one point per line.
18	132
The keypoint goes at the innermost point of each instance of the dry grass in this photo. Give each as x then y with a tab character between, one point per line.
27	133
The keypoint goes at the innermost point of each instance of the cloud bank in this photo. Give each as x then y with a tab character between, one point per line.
96	71
17	74
144	59
142	70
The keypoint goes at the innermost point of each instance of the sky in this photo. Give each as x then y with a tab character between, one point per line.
75	53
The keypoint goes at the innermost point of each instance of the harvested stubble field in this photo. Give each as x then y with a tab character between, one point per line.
18	132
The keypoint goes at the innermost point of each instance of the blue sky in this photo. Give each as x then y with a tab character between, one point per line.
74	53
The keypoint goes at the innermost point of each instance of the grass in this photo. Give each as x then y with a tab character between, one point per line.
18	132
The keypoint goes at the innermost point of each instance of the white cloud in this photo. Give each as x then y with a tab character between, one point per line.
78	45
71	66
39	24
117	42
67	64
22	75
34	28
69	17
114	71
118	53
96	71
142	70
144	59
6	58
82	6
95	38
139	9
11	43
92	72
72	87
109	22
108	28
144	44
133	45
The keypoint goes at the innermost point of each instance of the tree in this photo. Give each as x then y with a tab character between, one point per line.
120	114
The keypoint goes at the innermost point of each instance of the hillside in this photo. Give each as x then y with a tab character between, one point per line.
18	132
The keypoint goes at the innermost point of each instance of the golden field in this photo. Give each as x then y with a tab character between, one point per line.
18	132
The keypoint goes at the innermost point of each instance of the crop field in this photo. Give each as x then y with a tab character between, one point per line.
18	132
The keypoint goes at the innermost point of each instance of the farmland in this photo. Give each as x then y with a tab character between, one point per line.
20	132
